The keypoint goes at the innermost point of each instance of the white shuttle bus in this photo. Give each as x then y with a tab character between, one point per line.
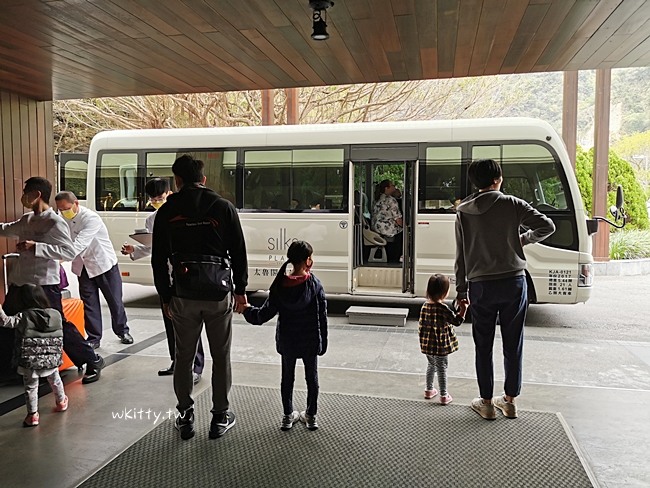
316	183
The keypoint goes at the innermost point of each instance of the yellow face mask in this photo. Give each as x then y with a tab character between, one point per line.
68	214
157	205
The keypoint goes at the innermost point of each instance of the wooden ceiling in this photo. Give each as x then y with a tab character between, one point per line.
58	49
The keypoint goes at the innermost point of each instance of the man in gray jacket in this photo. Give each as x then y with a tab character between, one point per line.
44	241
490	262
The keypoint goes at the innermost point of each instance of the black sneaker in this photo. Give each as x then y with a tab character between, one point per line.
185	424
93	370
289	420
221	423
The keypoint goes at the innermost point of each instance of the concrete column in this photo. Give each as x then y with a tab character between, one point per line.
601	162
268	115
293	114
570	114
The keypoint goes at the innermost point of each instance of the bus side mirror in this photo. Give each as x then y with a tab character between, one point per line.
617	210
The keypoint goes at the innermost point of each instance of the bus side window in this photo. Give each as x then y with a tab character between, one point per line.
440	182
530	172
292	180
318	179
537	165
219	169
117	182
74	176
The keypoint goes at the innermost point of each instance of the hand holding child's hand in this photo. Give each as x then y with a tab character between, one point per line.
243	307
241	303
462	306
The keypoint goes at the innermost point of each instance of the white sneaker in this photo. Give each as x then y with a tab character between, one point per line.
485	410
309	420
509	409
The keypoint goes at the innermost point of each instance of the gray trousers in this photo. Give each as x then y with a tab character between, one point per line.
437	364
188	317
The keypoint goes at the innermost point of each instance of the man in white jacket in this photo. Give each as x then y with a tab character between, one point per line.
44	241
96	266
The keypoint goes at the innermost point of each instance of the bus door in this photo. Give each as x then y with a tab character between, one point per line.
376	268
408	210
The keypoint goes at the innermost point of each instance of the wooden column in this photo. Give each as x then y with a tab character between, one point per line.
570	114
268	105
601	162
26	150
293	114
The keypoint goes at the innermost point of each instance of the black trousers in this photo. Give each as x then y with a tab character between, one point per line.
395	248
110	284
288	379
507	301
199	359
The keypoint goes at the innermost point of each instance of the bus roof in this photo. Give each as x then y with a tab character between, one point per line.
329	134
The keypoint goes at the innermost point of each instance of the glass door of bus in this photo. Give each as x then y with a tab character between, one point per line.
408	209
383	264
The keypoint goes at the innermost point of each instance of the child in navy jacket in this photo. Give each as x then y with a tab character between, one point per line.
301	331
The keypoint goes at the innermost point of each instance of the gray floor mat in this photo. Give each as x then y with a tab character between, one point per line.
362	441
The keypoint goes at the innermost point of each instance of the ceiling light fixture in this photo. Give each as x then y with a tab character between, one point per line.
320	26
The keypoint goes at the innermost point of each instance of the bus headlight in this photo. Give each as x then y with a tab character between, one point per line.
586	276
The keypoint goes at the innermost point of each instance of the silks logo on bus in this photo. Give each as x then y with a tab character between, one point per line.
281	243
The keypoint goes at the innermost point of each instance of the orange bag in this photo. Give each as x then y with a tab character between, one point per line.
73	309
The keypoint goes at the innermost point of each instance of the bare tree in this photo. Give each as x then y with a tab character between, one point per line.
77	121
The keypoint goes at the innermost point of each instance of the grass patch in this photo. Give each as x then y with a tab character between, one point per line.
629	244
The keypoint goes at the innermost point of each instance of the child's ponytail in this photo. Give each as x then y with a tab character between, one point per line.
279	277
298	252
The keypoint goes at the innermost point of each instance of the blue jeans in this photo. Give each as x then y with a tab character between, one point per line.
507	300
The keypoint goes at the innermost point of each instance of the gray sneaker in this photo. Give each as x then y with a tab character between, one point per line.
309	420
289	420
485	410
509	409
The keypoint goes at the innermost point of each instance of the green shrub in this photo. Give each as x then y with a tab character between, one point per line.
620	173
629	244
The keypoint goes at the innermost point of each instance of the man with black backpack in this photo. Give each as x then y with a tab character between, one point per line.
199	233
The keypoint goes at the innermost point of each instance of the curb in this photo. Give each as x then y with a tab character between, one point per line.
623	267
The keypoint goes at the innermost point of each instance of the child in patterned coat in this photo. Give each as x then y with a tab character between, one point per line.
38	347
437	336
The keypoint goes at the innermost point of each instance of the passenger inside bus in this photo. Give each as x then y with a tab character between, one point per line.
387	219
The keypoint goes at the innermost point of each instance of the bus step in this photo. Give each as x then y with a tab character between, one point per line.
377	316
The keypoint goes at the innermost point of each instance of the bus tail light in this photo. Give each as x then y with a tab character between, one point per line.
125	273
586	277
